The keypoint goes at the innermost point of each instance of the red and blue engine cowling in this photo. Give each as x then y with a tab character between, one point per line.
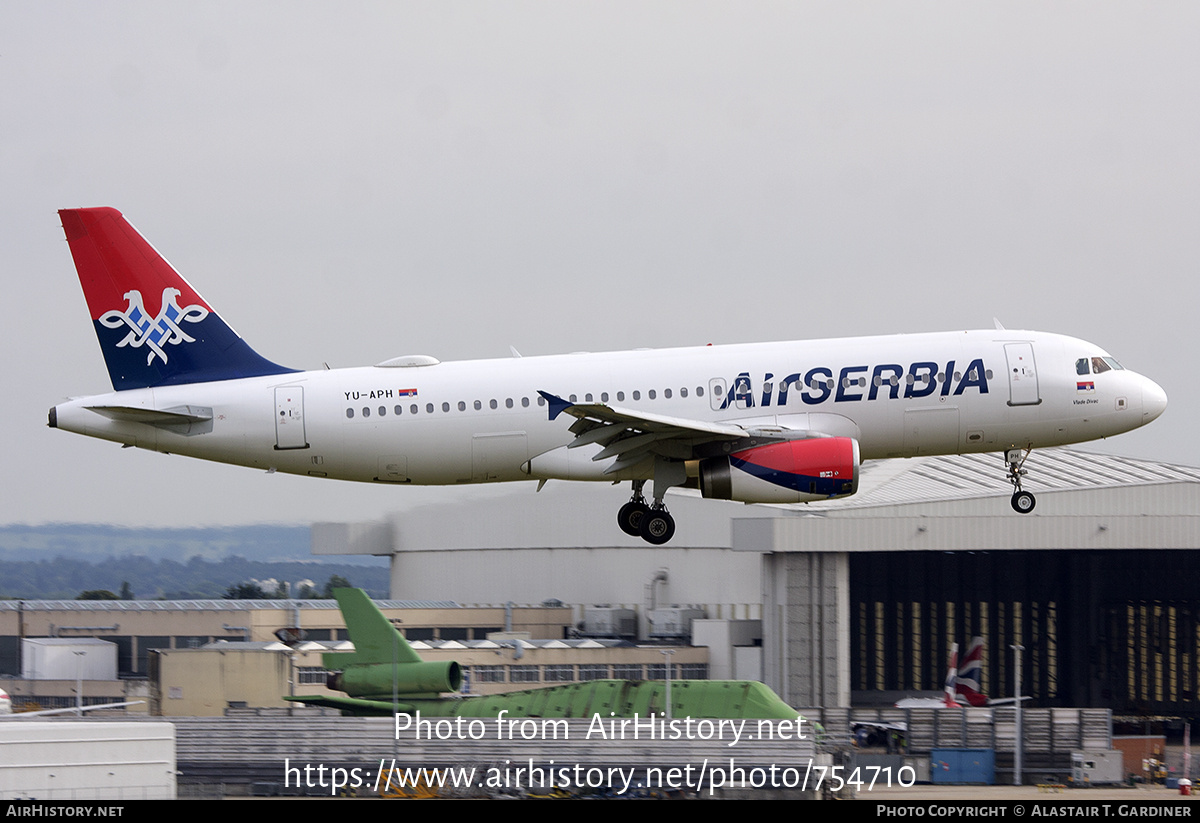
795	471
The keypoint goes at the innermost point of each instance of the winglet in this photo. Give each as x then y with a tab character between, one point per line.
557	404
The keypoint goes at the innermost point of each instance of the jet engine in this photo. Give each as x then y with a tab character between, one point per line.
795	471
376	679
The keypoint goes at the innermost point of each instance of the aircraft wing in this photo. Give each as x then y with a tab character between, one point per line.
633	436
606	415
895	726
72	710
1007	701
353	705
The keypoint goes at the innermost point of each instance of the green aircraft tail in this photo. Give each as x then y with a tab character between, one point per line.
383	663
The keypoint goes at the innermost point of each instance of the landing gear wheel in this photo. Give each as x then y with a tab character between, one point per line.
658	526
1023	502
630	517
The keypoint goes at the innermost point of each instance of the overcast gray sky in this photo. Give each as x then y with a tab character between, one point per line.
349	182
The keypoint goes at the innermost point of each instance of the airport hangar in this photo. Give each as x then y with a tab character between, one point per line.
856	602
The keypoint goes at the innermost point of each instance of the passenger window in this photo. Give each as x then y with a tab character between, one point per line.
413	408
508	404
383	411
667	393
462	406
541	401
492	404
652	394
366	412
603	397
587	397
620	397
571	398
637	395
445	407
525	402
683	392
350	414
398	410
700	391
478	405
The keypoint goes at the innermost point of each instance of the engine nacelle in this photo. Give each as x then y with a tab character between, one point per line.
376	679
796	471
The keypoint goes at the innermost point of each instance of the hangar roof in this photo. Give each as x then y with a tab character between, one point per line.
960	477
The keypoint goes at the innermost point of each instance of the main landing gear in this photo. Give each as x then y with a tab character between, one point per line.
1022	501
637	518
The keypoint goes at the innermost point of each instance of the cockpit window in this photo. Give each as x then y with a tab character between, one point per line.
1099	365
1081	366
1112	362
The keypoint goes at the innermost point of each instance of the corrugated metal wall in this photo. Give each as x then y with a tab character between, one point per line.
1112	629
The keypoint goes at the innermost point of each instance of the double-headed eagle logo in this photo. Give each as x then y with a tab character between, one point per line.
158	332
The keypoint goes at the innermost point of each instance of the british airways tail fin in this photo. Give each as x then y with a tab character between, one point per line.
154	329
970	675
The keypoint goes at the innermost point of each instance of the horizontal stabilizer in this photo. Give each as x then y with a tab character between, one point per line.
181	419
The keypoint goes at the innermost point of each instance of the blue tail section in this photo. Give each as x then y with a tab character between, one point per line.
154	328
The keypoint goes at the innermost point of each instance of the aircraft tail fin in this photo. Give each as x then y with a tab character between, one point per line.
970	675
154	328
374	637
949	695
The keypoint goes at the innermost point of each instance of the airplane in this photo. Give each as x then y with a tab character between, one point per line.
970	678
384	675
787	422
963	684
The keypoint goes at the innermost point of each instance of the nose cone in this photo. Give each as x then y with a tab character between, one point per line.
1154	400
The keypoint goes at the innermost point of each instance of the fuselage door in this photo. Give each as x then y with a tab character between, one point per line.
289	418
1022	375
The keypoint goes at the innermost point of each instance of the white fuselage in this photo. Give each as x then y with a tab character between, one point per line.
484	420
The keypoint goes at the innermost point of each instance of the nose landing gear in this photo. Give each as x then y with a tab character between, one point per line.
1022	501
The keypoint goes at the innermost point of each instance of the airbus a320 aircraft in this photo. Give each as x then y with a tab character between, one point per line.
756	423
